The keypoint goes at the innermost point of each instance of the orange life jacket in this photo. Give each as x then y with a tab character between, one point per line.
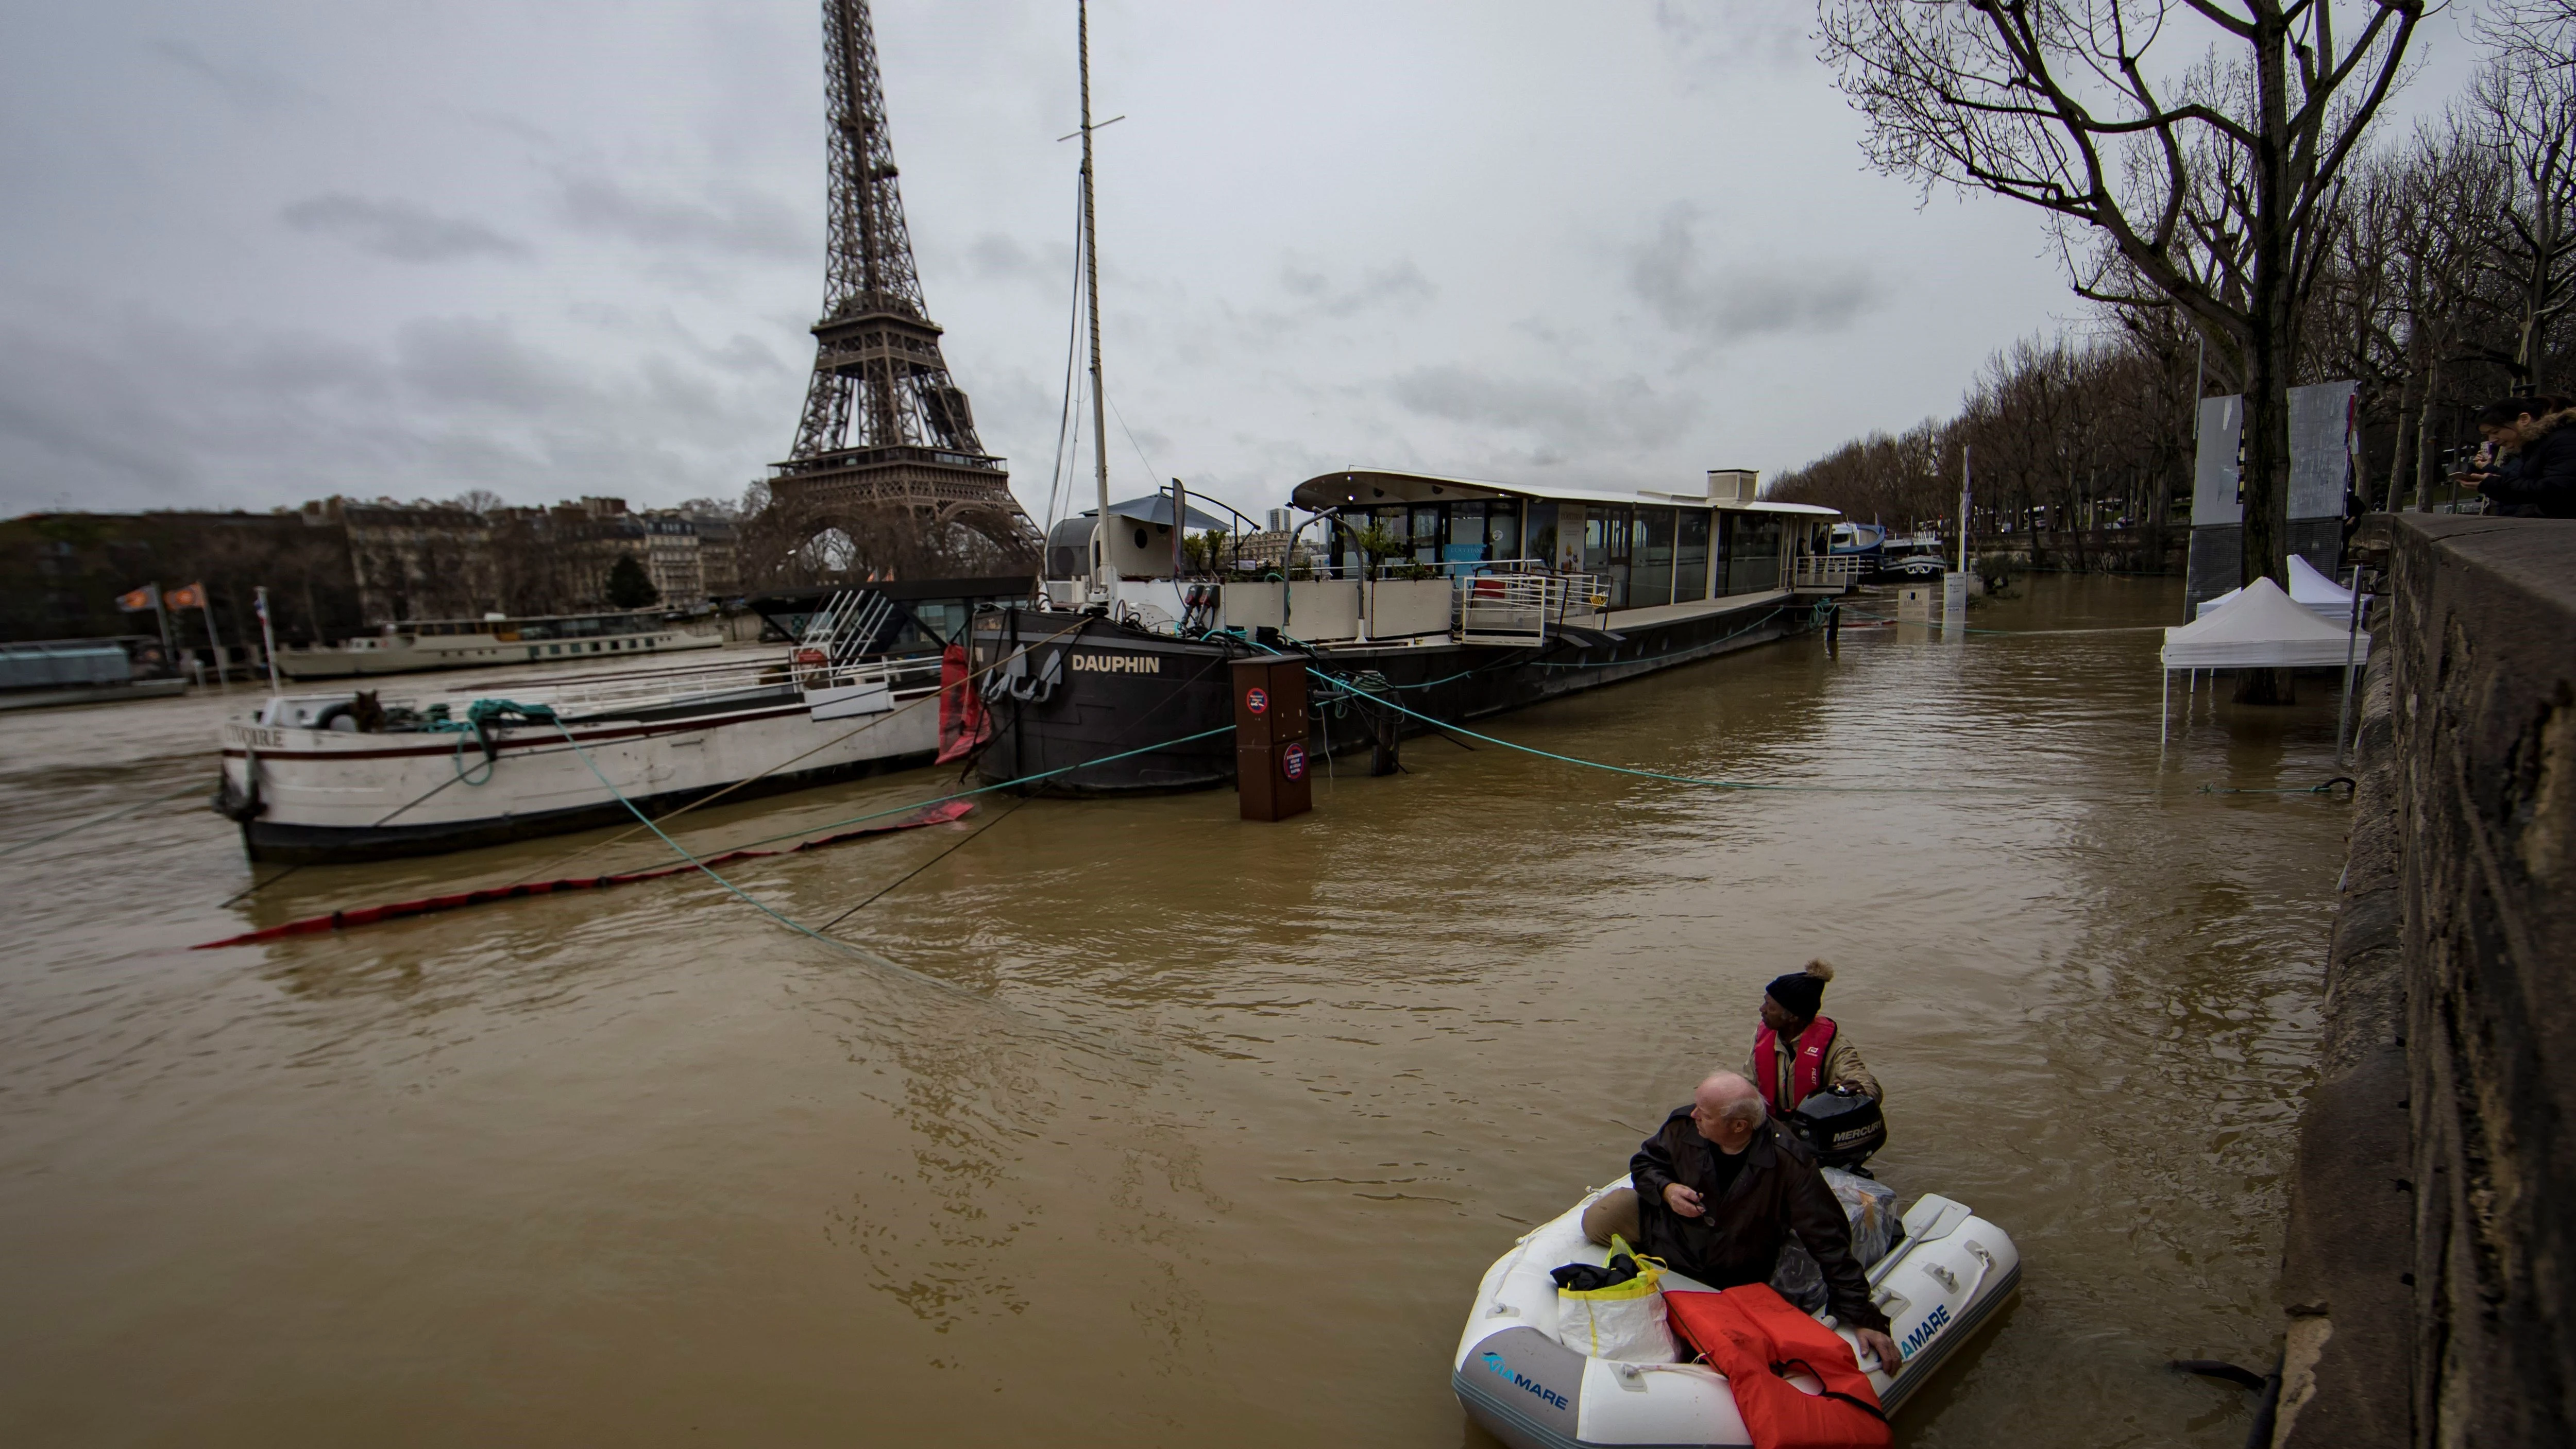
1806	1073
1753	1335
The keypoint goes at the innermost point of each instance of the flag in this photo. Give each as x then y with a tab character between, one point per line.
146	597
192	596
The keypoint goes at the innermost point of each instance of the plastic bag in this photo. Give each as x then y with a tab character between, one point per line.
1624	1321
1798	1277
1871	1207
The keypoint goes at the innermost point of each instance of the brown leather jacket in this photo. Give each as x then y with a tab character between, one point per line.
1737	1240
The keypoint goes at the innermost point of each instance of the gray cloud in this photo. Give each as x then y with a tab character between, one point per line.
1730	301
999	257
1563	417
733	223
1269	281
275	416
396	229
1396	283
248	86
1719	36
480	361
1317	295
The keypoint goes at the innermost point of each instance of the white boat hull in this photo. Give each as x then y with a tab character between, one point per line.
1938	1287
325	795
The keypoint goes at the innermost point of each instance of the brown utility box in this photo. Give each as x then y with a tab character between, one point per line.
1272	773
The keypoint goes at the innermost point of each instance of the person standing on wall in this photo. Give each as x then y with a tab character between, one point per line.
1799	1051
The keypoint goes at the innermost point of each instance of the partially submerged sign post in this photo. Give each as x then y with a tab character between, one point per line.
1272	772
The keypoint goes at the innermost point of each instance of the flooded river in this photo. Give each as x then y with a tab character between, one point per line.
1135	1124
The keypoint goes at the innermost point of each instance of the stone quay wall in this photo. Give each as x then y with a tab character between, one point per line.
2429	1268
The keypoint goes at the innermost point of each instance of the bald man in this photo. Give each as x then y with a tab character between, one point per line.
1719	1189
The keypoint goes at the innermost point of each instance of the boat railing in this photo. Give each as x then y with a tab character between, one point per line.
1826	571
776	677
615	695
1520	608
610	696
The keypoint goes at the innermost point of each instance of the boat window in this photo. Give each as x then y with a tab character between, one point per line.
1690	557
945	618
1650	581
1467	525
1752	551
1502	529
1539	533
1345	548
1606	548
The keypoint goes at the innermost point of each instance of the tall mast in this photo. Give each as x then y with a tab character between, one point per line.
1103	576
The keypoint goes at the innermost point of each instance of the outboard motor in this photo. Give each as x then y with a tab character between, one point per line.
1840	1125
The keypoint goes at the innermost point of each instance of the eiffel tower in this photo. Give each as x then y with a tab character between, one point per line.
878	372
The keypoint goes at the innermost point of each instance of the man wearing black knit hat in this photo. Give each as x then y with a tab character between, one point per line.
1800	1051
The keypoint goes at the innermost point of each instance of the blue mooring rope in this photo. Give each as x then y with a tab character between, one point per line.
798	926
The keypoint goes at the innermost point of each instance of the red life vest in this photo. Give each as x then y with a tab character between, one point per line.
1806	1073
1753	1335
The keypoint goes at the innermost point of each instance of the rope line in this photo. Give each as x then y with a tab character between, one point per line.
900	880
118	812
1682	779
550	870
989	789
799	927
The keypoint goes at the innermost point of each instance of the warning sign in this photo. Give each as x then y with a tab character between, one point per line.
1257	700
1292	762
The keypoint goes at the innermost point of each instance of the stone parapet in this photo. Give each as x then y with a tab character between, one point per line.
2431	1252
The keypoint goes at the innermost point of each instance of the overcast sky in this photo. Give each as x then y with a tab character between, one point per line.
262	252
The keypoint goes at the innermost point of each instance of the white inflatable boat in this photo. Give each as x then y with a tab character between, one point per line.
1938	1286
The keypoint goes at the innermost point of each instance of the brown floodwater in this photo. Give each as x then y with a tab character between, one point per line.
1135	1124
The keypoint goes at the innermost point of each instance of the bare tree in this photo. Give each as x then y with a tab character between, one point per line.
2200	141
2524	102
2534	30
2453	188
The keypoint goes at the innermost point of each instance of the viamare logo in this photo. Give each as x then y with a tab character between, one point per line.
1503	1371
1931	1324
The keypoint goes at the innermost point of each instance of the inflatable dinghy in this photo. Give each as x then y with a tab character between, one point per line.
1938	1286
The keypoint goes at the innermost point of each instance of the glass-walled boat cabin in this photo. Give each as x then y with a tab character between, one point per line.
1647	548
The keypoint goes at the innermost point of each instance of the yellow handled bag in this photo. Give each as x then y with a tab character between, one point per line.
1624	1321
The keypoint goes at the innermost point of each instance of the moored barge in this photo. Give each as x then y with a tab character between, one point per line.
1428	596
352	776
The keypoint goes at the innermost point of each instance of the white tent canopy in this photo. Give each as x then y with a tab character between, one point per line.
2309	589
2261	628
